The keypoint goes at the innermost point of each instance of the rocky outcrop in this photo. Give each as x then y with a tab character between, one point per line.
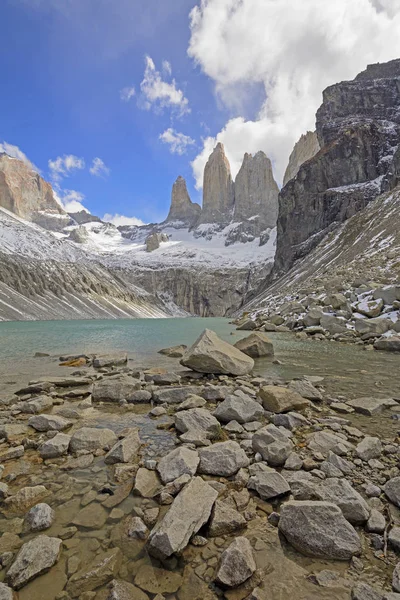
27	195
154	240
256	191
358	127
306	147
218	189
182	208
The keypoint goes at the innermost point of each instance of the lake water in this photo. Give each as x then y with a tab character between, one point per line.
347	369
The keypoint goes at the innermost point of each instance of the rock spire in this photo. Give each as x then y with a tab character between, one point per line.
182	208
218	190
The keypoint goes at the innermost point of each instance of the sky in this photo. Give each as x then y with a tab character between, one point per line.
111	100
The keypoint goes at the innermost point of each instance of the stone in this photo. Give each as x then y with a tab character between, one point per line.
238	408
25	498
363	591
36	405
319	529
140	397
293	462
305	149
256	345
176	463
371	406
333	325
157	581
122	590
392	490
197	419
223	459
389	294
273	445
218	190
39	517
305	389
115	390
100	571
192	402
126	450
396	578
210	354
110	360
120	493
6	593
147	483
372	326
280	400
313	317
340	463
340	492
92	516
137	529
189	511
12	453
55	447
388	344
35	557
174	351
325	442
92	439
49	423
183	210
175	395
269	484
237	563
376	522
154	240
369	447
247	325
370	308
225	520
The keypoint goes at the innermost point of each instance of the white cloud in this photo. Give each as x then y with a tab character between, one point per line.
127	93
98	168
159	94
63	166
119	220
70	200
293	50
178	142
16	152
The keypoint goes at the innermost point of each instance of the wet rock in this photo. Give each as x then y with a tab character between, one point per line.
92	516
210	354
340	492
189	511
369	447
122	590
279	399
371	406
55	447
223	459
319	529
39	517
35	405
137	529
197	419
115	390
49	423
392	490
25	498
126	450
256	345
237	563
269	484
363	591
147	483
120	493
140	397
99	572
91	439
157	581
35	557
176	463
174	351
238	408
110	360
225	519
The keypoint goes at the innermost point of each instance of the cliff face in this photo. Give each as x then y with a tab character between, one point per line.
307	147
256	191
27	195
218	190
182	208
358	127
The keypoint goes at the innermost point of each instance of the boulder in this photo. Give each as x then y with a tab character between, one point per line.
247	325
92	439
389	344
174	351
369	447
279	399
189	511
39	517
126	450
223	459
396	578
257	344
340	492
238	408
25	498
100	571
370	308
372	326
178	462
210	354
115	390
273	445
49	423
35	405
197	419
55	447
122	590
325	441
237	563
225	520
392	490
147	483
389	294
371	406
110	360
333	324
363	591
35	557
175	395
305	389
319	529
6	593
268	484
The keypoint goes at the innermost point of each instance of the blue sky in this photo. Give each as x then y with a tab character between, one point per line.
248	73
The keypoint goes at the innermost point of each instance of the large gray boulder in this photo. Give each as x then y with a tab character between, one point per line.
197	419
92	439
273	445
178	462
319	529
340	492
49	423
257	344
372	326
223	459
55	447
392	490
126	450
268	484
238	408
210	354
189	511
39	517
280	400
225	519
114	390
35	557
110	360
368	448
237	563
